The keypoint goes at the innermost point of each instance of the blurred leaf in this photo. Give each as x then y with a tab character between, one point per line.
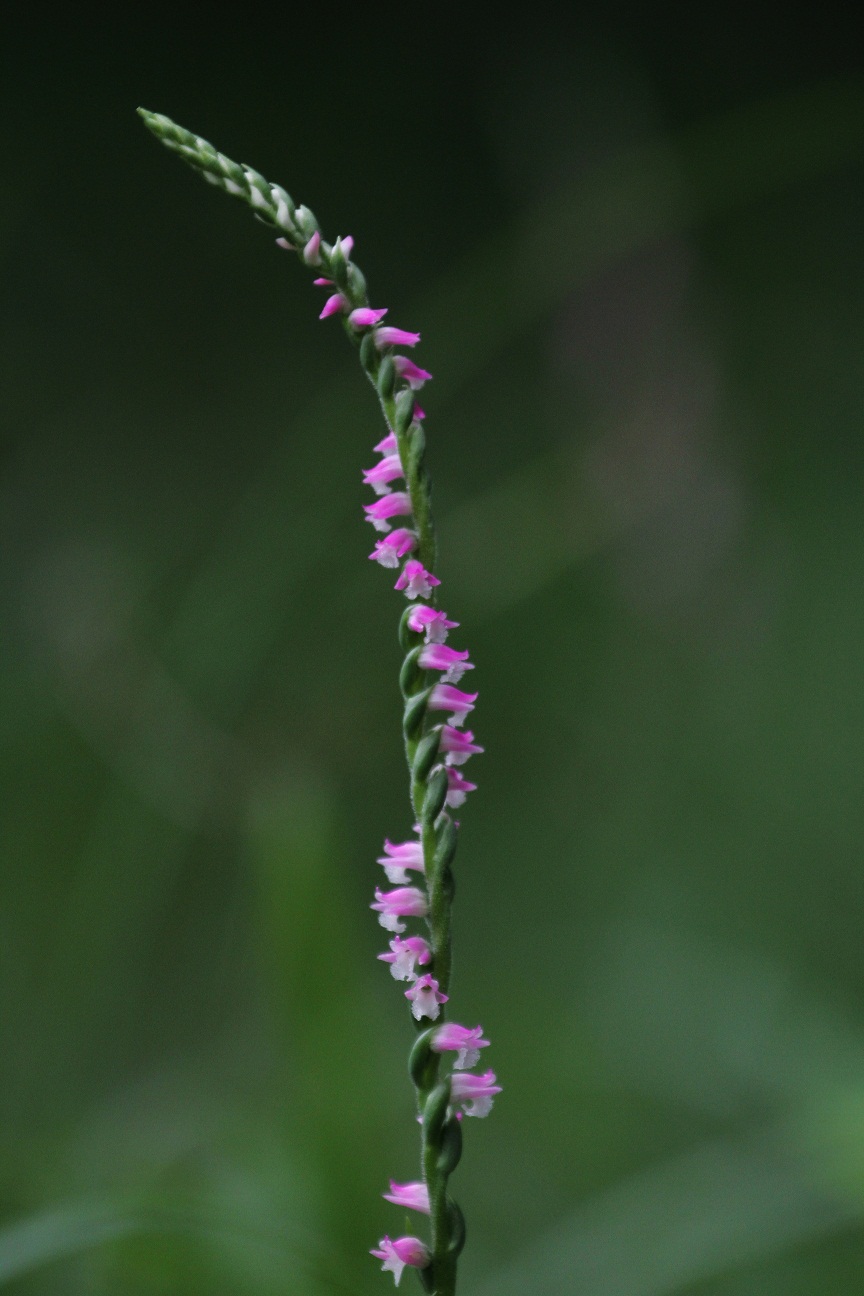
60	1233
726	1030
716	1208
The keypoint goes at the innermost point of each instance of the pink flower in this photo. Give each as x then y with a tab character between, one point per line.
444	697
404	955
408	370
312	250
404	1251
415	580
283	243
462	1041
422	617
425	997
387	336
419	414
334	305
457	746
439	657
365	317
346	244
393	547
413	1195
386	470
400	856
474	1093
458	787
388	445
395	504
404	902
320	283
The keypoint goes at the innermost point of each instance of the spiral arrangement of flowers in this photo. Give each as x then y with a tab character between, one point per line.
437	745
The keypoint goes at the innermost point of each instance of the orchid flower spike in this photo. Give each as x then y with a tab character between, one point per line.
419	870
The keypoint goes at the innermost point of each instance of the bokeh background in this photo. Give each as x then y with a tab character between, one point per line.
632	238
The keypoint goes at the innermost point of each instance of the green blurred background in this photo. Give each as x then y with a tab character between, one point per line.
632	238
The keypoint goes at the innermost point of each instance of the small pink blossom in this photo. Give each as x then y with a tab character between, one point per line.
389	444
399	856
425	997
457	787
321	283
393	547
283	243
366	317
346	244
312	250
404	902
457	746
435	624
419	414
396	1255
444	697
383	473
408	370
474	1093
450	660
405	955
388	336
413	1195
415	580
466	1043
395	504
334	305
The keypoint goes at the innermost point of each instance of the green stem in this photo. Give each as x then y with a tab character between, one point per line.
443	1262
